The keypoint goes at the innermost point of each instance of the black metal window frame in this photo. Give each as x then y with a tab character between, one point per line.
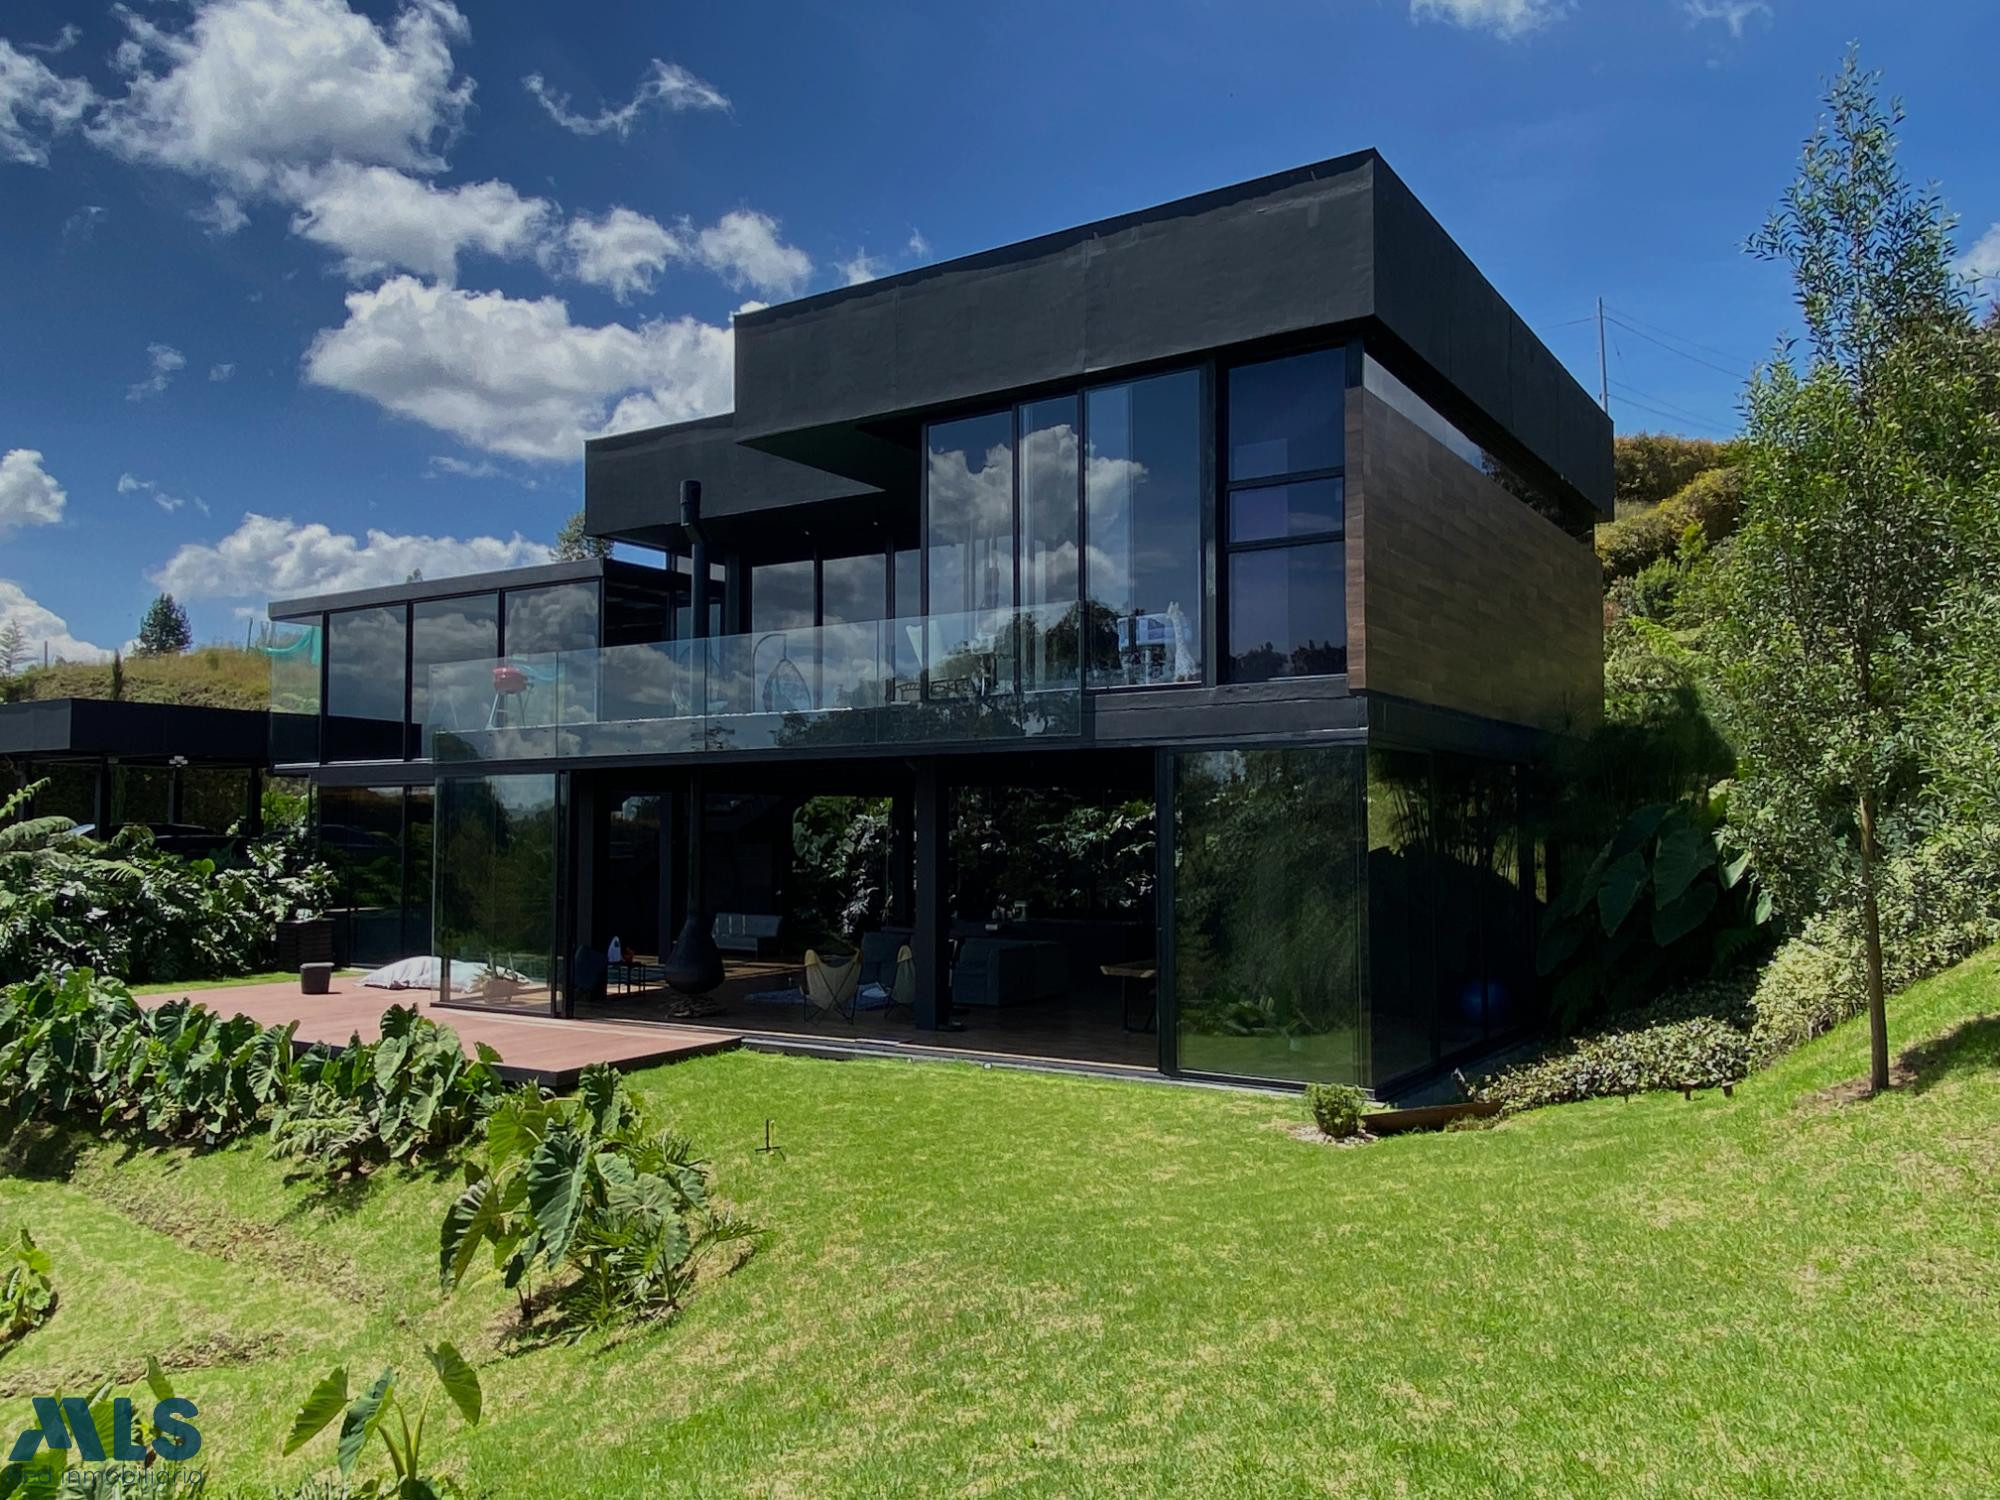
1228	548
1207	442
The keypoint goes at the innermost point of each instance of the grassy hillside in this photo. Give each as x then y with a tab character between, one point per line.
210	676
1000	1283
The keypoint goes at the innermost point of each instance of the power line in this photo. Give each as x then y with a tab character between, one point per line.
1720	432
1692	358
1662	403
1680	337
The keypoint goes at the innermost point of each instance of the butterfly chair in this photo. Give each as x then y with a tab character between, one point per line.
829	988
903	988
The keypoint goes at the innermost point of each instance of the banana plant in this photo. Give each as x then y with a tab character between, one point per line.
378	1412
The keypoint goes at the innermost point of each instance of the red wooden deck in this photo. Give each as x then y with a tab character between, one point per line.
536	1049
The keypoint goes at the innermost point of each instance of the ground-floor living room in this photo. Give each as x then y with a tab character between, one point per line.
1341	909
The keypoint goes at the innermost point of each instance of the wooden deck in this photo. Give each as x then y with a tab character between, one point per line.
533	1049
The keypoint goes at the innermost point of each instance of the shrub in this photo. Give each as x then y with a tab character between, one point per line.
128	908
589	1187
78	1050
1710	503
1650	466
1702	1052
27	1296
412	1093
1666	898
1336	1108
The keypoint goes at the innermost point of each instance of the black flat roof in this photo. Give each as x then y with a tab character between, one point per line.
532	576
66	727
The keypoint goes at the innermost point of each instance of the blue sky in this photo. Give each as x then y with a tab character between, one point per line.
304	294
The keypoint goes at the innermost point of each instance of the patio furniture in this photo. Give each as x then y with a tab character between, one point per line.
315	979
755	933
879	953
1007	971
903	987
1135	981
829	988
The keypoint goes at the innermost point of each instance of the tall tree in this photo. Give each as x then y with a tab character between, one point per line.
164	630
1869	467
13	647
574	545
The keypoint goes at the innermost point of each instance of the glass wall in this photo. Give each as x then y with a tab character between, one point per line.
560	617
1286	581
781	596
854	588
361	840
1268	913
1142	572
365	663
1051	460
969	499
449	630
497	845
1452	907
293	647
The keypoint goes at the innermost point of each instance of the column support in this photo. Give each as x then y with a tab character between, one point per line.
931	947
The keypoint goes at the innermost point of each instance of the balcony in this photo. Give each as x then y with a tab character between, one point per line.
986	676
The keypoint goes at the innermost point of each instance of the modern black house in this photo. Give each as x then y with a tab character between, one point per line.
1259	511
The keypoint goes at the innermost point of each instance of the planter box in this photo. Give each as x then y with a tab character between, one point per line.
315	979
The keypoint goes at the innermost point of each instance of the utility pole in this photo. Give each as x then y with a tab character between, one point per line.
1603	369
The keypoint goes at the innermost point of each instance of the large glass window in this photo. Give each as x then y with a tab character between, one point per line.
293	648
365	662
497	840
451	630
361	840
1267	919
1451	912
561	617
969	499
781	596
1286	585
1142	517
854	588
1051	465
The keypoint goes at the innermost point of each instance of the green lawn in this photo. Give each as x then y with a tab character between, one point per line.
998	1283
183	986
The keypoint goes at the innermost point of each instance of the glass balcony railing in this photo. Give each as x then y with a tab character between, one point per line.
988	675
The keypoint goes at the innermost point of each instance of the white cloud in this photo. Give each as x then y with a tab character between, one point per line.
1735	14
1507	19
131	484
67	38
269	557
223	216
167	362
444	466
919	248
219	373
249	87
622	251
29	495
515	376
379	219
743	248
667	84
859	268
42	628
36	105
1981	264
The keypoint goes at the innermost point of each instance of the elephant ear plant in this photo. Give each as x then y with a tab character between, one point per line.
1667	899
411	1094
378	1412
588	1187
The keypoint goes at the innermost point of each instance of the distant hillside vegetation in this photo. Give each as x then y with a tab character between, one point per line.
1665	484
207	677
